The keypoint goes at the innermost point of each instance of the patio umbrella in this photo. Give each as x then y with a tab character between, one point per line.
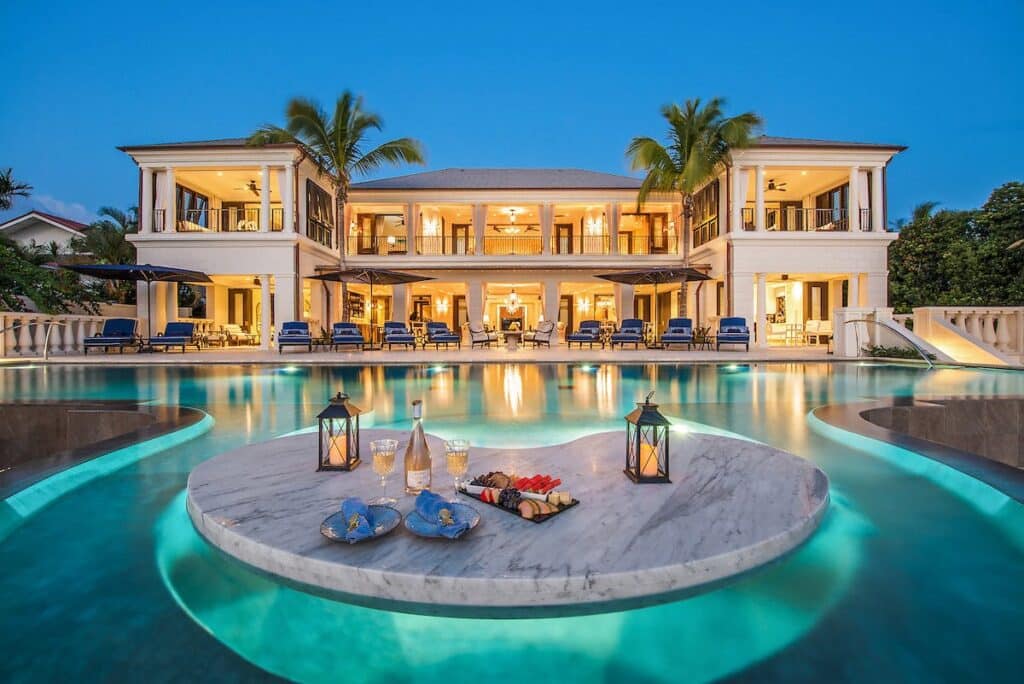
656	276
371	277
147	273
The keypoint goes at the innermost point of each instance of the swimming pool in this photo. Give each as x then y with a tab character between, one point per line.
911	576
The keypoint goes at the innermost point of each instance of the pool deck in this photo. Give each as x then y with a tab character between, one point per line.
557	354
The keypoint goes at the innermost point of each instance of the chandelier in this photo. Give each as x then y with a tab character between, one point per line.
512	228
512	301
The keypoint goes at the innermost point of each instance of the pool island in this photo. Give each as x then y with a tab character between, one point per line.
732	506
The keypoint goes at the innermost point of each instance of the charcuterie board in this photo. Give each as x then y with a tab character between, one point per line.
532	499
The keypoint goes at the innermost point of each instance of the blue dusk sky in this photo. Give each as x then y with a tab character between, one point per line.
511	84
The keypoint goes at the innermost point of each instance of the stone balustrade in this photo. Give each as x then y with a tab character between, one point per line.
1001	327
24	334
905	320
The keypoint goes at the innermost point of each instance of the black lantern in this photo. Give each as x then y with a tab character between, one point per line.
647	444
339	435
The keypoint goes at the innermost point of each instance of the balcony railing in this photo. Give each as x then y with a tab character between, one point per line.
787	219
642	244
592	243
377	245
513	245
229	220
444	244
705	231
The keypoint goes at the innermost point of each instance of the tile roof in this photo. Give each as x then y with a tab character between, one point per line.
778	141
503	179
220	142
52	218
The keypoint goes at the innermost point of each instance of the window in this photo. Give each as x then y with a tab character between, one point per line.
319	214
192	206
705	214
831	208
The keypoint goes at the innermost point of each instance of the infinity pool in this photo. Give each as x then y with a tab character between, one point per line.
916	573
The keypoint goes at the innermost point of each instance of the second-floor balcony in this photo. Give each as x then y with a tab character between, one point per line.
804	219
228	220
528	243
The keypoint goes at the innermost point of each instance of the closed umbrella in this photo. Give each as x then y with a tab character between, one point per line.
147	273
656	276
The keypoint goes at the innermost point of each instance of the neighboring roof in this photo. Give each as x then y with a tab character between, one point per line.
198	144
52	219
777	141
503	179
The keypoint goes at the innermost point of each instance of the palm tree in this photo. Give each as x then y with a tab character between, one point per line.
337	145
105	242
700	139
10	188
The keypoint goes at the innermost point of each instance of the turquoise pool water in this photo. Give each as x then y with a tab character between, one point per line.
917	573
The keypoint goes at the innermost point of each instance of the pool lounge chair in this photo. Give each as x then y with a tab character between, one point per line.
234	334
176	334
542	335
589	333
395	332
346	335
438	333
733	330
679	331
630	332
478	336
117	332
294	334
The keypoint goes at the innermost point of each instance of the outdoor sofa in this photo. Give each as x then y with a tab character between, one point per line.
630	332
396	332
679	331
733	330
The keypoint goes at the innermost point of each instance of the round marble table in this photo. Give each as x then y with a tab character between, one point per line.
732	506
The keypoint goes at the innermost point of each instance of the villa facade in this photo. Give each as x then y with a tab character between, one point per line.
790	230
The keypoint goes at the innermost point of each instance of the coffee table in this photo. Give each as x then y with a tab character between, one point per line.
513	338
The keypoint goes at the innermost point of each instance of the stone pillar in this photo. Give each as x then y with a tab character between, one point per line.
853	291
552	294
877	199
288	199
739	196
317	310
854	199
762	310
285	289
479	224
400	302
613	213
170	200
265	308
143	305
547	218
264	199
877	290
759	199
146	210
743	296
624	300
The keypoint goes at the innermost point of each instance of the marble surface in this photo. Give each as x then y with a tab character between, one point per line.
732	506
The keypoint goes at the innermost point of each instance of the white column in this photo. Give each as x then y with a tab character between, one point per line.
552	293
547	217
854	199
739	196
759	198
286	185
410	229
171	302
143	305
146	210
853	291
762	310
264	199
400	302
877	199
285	288
170	200
479	223
265	308
624	301
877	294
743	296
613	227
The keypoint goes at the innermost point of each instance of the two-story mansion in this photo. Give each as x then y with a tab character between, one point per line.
789	230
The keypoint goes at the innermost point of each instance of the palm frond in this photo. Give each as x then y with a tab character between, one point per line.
402	150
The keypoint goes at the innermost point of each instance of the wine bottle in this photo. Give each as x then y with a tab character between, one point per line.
418	470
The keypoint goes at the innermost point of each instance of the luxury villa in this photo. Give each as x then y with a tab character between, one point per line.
792	229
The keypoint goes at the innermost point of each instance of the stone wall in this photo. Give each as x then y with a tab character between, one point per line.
993	428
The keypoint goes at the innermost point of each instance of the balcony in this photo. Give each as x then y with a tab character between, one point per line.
589	243
787	219
513	245
444	244
231	220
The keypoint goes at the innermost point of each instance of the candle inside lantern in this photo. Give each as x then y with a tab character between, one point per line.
338	453
648	461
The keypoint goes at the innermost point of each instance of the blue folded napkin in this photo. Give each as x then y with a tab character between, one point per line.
359	518
439	511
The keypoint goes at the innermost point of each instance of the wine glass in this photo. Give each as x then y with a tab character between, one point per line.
383	451
456	460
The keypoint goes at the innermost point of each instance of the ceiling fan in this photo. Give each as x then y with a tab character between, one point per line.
250	186
774	186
